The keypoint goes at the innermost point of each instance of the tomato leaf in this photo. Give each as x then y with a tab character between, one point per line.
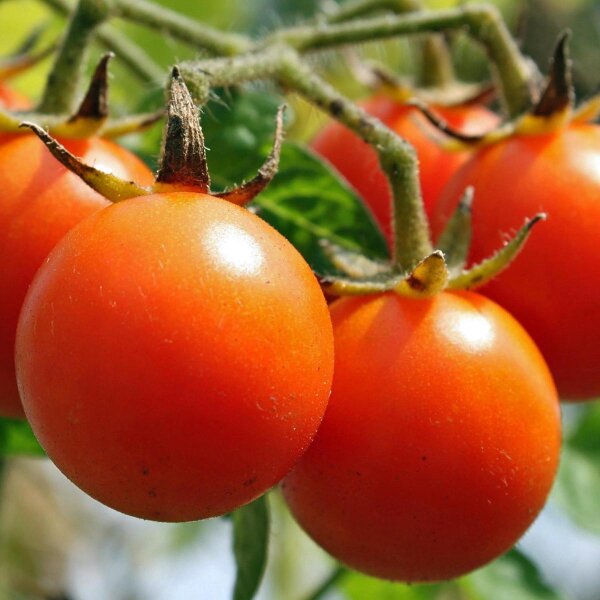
16	438
511	577
238	129
307	203
250	546
577	486
358	587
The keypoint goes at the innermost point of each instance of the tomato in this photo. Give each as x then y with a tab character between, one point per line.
175	356
440	442
39	202
358	162
12	99
552	288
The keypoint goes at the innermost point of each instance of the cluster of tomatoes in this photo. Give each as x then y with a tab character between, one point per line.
175	355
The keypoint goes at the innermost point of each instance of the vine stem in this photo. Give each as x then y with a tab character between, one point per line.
138	62
482	22
436	69
397	157
218	43
60	93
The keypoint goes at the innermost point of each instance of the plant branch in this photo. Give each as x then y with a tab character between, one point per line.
59	96
218	43
482	22
397	157
128	53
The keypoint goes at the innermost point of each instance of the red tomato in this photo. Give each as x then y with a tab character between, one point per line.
12	99
440	442
552	288
39	202
358	162
175	356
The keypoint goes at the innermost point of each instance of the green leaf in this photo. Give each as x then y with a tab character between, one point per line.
358	587
511	577
238	129
307	203
577	487
250	546
16	438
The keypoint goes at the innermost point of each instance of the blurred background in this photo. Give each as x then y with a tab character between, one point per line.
58	544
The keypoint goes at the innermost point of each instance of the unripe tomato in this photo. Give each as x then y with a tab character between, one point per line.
39	202
174	356
552	289
357	162
440	442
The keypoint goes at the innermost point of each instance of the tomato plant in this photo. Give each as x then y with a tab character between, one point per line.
174	356
552	288
440	442
357	162
41	201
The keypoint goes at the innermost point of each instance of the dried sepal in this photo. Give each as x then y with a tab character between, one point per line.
427	279
183	160
246	192
111	187
456	237
559	94
464	139
481	273
353	263
92	113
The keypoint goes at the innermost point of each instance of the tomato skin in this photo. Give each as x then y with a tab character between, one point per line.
39	202
175	356
552	287
440	442
357	162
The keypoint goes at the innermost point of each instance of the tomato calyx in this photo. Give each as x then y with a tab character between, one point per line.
554	110
91	117
443	269
183	165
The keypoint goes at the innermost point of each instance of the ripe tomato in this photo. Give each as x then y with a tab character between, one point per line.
358	162
12	99
440	442
39	202
174	356
552	289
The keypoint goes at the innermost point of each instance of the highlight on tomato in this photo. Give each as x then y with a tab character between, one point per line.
550	162
440	442
174	354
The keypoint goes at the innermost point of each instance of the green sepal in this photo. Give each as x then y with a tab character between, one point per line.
481	273
456	237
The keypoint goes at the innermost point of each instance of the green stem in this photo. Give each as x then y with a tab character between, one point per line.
183	28
330	583
59	96
126	52
482	22
397	157
361	8
436	69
